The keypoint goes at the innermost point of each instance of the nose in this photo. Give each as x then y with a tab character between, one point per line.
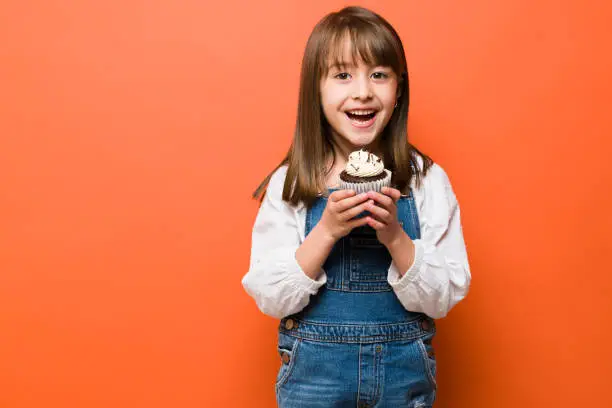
363	88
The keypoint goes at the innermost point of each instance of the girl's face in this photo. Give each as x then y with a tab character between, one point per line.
358	101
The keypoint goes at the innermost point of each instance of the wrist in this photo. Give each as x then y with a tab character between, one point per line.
401	242
403	252
323	235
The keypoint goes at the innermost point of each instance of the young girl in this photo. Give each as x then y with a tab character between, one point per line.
356	279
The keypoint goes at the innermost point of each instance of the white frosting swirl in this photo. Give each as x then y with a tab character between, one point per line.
362	163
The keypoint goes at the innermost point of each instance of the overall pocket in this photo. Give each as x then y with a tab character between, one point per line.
429	359
369	265
287	350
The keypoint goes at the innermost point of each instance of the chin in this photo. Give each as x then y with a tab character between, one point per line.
362	141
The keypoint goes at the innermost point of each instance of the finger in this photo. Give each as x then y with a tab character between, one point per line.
379	212
355	211
358	222
340	195
394	193
382	199
377	225
350	202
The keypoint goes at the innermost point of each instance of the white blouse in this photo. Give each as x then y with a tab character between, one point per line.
436	281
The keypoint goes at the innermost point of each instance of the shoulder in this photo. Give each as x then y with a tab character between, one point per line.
435	194
276	186
435	177
277	182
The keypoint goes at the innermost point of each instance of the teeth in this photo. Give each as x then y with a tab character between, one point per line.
362	112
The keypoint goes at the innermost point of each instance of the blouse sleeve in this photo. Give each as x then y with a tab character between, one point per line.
275	279
440	274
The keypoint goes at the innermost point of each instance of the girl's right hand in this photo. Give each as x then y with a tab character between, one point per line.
342	206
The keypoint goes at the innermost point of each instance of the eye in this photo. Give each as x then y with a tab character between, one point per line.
380	75
342	76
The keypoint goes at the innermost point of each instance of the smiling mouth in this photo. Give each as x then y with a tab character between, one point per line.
361	117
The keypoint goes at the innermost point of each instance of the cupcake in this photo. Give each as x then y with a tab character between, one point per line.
364	172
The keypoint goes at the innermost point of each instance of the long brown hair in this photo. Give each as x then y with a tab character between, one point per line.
375	42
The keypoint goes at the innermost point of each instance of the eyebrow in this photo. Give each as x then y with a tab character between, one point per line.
340	66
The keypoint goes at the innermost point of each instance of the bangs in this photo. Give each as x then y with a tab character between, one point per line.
355	42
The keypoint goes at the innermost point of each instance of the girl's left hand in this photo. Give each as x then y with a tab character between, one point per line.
384	215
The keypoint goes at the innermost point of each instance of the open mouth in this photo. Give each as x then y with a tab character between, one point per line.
361	118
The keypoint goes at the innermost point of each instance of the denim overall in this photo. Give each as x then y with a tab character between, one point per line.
355	345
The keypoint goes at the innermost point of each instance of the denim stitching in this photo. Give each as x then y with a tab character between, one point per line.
359	376
294	354
345	333
427	363
378	371
414	214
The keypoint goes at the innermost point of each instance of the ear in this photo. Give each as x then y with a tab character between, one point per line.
400	86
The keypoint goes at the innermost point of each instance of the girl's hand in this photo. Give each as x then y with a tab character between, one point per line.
384	215
342	206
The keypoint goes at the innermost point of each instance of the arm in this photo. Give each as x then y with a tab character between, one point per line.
313	252
277	282
439	274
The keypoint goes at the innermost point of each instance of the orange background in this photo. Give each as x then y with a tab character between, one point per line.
126	128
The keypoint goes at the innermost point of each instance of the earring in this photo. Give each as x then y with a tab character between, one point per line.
396	103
